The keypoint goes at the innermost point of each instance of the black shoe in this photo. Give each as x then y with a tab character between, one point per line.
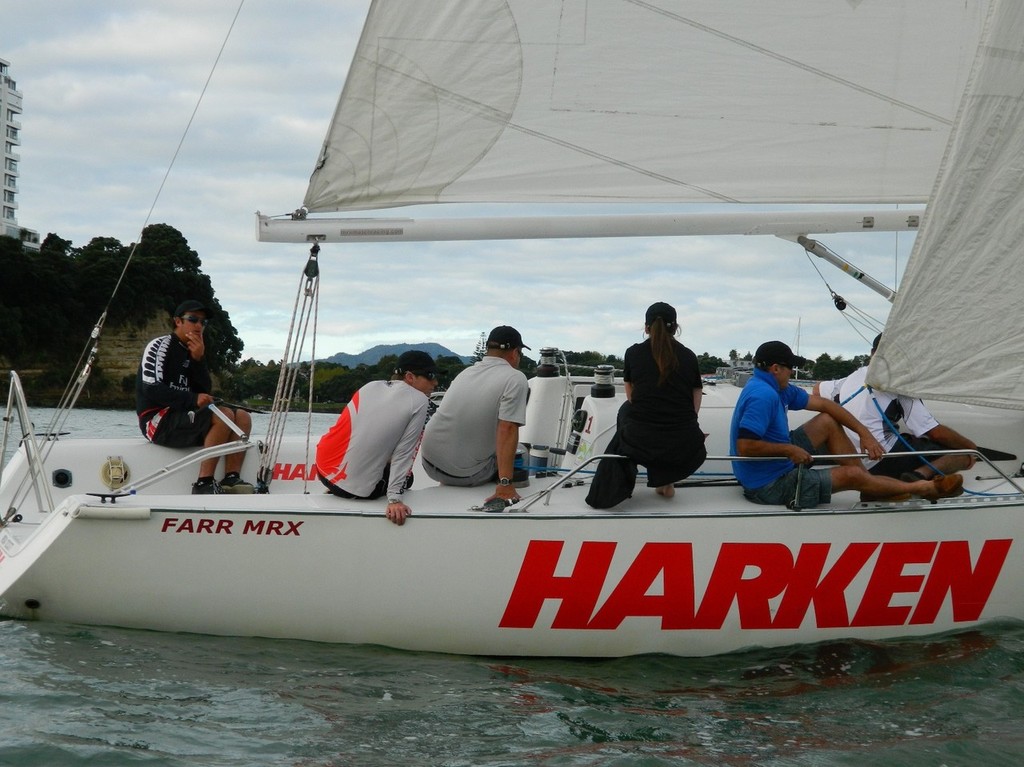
206	487
232	483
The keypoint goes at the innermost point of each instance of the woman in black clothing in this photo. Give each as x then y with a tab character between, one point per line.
657	426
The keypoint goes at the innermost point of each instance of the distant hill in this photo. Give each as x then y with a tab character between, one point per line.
372	356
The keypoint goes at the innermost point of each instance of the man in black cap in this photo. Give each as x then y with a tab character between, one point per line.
172	392
369	452
472	438
760	428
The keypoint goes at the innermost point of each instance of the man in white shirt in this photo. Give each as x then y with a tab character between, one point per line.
881	412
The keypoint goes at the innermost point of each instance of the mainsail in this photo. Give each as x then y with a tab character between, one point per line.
693	101
955	329
702	101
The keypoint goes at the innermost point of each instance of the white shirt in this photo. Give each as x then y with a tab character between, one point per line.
864	405
382	423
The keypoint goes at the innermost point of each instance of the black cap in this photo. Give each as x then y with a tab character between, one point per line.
415	361
505	337
667	312
775	352
189	306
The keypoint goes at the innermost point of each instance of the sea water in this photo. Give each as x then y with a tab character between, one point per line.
77	695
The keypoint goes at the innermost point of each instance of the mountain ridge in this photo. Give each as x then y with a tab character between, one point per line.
373	355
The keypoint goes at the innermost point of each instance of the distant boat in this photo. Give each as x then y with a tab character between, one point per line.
521	101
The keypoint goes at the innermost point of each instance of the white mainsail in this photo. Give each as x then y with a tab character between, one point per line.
955	330
790	101
703	101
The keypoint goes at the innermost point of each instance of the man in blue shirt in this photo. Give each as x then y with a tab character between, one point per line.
760	428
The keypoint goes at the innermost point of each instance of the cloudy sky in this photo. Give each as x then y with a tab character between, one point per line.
110	86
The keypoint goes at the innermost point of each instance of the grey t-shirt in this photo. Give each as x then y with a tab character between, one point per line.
460	437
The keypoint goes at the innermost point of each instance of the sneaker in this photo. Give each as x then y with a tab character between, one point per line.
232	483
210	487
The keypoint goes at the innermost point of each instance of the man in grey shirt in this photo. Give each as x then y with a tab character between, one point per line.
471	439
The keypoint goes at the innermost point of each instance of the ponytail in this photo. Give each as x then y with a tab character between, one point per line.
663	348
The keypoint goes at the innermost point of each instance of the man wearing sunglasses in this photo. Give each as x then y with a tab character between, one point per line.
172	391
370	450
760	429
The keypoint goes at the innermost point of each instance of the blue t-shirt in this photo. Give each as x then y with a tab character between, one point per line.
761	413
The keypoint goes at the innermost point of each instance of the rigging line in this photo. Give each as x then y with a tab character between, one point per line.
78	380
177	151
793	62
863	319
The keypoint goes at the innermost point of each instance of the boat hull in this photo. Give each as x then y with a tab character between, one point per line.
545	583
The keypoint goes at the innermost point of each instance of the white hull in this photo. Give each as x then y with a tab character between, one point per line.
309	567
706	572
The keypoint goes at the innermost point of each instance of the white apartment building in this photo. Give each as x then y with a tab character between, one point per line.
10	112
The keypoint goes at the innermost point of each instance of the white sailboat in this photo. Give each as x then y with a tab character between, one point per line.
680	101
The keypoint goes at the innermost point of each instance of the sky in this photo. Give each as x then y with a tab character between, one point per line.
110	87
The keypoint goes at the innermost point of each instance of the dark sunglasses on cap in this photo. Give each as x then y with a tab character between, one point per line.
195	320
430	376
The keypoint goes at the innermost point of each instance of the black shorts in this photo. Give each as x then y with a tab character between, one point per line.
379	489
178	429
895	467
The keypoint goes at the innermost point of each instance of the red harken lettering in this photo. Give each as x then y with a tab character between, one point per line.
288	472
770	588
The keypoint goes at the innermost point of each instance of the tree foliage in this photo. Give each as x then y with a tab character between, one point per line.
51	299
827	368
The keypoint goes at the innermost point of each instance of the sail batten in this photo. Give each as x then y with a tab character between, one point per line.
689	101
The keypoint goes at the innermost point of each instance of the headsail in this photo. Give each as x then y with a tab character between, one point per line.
955	331
803	101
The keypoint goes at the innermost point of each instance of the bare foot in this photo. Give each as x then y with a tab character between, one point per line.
666	491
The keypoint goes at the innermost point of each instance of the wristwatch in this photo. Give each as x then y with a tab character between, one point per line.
504	481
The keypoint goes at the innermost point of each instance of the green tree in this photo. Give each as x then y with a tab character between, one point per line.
481	347
709	364
826	368
50	299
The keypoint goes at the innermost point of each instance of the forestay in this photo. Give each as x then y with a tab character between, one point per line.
956	331
789	101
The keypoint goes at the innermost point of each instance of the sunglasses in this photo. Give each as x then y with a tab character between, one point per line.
195	320
429	376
